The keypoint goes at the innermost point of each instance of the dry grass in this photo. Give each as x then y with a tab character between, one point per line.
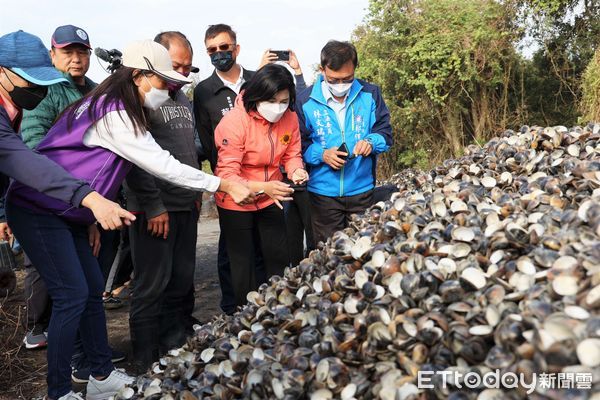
22	372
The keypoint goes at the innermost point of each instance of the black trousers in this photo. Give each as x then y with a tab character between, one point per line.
244	231
122	266
109	244
298	223
331	214
224	269
163	279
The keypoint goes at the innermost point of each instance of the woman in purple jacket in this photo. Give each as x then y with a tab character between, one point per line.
97	139
25	73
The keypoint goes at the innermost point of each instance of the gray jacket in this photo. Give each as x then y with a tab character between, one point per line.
172	126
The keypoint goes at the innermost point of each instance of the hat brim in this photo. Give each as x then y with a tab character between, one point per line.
43	76
172	76
62	45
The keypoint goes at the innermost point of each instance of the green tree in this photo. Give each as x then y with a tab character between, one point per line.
590	86
445	68
566	33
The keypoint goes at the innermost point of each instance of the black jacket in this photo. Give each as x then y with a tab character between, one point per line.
212	100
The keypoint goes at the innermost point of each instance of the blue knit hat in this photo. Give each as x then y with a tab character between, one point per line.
26	56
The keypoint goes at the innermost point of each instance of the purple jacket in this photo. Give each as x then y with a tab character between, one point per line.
17	161
102	169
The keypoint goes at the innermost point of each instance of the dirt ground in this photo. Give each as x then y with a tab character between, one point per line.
23	372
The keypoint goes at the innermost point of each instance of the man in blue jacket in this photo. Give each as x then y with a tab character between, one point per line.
340	112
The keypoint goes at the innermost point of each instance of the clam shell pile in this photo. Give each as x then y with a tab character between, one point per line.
488	262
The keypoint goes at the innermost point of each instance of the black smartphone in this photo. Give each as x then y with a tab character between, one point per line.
343	148
298	187
282	55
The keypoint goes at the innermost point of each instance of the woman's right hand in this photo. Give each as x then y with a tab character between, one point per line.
278	191
241	194
109	214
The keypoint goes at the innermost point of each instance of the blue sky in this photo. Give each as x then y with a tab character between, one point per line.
302	25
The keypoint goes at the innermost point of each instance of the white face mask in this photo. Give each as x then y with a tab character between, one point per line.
339	89
272	112
155	98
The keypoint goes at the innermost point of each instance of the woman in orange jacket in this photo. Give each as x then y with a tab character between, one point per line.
254	139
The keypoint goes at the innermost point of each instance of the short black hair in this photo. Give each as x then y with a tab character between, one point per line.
265	83
336	53
214	30
165	39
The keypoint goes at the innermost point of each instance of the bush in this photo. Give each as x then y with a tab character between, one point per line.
451	73
590	87
444	67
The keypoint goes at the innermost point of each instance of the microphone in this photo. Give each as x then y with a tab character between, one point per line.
112	57
102	54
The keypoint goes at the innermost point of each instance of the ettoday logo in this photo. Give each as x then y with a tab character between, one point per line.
503	380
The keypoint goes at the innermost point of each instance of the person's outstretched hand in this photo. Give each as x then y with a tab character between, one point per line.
109	214
278	191
241	194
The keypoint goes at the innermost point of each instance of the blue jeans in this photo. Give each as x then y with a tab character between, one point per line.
62	255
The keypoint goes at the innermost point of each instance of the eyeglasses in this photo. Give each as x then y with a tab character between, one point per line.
334	81
221	47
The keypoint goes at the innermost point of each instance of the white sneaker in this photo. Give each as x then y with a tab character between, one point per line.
102	390
70	396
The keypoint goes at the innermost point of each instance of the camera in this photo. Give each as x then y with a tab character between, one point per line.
112	57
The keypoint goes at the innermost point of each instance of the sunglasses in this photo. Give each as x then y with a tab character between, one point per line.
221	47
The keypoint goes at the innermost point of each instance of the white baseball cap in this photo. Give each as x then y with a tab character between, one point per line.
151	56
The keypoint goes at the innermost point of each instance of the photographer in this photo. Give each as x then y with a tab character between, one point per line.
99	138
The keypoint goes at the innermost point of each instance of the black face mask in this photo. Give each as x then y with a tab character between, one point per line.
222	60
27	98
